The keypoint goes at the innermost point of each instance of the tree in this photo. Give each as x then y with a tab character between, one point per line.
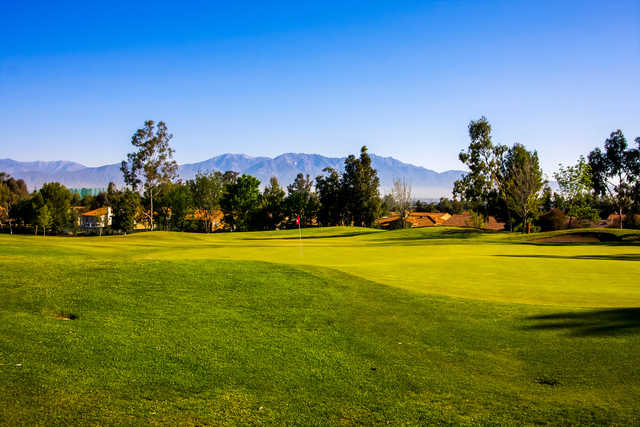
636	188
125	208
207	190
11	192
271	212
401	193
360	189
475	220
58	199
152	164
523	184
615	170
388	204
75	220
450	206
240	201
43	219
330	198
482	186
575	183
547	202
179	201
301	200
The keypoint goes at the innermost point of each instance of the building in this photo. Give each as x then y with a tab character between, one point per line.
433	219
97	218
416	219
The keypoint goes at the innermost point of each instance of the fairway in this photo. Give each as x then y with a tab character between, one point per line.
346	326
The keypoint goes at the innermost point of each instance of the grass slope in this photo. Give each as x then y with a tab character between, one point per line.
356	326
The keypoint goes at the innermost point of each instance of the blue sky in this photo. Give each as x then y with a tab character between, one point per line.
404	78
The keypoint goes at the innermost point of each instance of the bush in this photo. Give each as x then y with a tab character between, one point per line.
553	220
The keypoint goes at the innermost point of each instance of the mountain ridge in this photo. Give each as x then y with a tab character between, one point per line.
426	183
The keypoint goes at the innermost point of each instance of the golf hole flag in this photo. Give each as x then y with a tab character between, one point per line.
298	220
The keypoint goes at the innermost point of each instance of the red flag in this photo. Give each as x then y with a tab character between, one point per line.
298	220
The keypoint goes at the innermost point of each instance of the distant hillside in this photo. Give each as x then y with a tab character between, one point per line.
425	182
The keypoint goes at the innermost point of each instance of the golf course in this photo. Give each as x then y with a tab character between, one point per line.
343	326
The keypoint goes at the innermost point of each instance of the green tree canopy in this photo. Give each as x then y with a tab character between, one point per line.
360	189
616	170
482	187
239	202
575	184
152	163
523	183
125	210
207	190
301	200
58	199
330	198
271	212
12	191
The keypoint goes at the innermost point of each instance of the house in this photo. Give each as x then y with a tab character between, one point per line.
464	220
427	219
416	219
432	219
97	218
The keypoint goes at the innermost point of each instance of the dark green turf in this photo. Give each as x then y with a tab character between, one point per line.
239	342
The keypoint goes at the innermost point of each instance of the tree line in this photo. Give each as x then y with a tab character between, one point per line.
503	181
153	195
507	182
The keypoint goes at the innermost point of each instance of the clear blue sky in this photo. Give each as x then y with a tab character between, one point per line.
404	78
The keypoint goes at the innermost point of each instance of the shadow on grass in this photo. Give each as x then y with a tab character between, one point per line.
609	322
622	257
431	234
586	238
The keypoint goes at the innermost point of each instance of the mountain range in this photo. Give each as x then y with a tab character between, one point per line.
425	183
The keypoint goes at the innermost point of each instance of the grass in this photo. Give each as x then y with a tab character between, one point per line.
354	326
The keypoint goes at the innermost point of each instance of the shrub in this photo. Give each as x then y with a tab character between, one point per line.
555	219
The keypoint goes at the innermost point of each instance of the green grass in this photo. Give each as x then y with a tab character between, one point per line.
354	326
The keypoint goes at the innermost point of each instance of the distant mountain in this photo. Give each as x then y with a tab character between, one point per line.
425	182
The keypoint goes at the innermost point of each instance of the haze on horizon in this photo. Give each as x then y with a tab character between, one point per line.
77	79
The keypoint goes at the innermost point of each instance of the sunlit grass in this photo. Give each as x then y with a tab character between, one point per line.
346	326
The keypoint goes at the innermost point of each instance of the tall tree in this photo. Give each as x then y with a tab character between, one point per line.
207	190
523	184
152	163
58	199
636	187
575	184
125	209
301	199
272	205
11	192
616	170
43	219
482	187
360	188
180	202
239	202
331	200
